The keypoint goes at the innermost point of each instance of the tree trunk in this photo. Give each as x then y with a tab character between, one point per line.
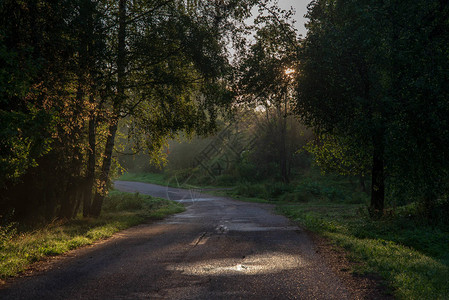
79	198
283	157
68	202
362	183
378	177
120	96
90	174
101	192
283	144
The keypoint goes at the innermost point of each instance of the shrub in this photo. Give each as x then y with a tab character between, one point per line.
7	233
358	198
296	197
225	180
251	190
117	201
277	189
321	190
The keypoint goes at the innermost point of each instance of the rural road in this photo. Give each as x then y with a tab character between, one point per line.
217	249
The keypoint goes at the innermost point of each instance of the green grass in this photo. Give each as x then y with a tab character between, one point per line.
19	249
156	178
182	179
412	258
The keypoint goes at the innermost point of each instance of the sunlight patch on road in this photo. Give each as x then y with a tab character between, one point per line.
253	227
265	263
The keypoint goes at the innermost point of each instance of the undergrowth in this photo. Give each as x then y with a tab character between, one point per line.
156	178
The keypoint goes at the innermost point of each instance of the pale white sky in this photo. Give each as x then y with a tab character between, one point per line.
301	9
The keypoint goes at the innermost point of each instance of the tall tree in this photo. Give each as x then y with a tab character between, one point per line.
79	68
266	79
38	34
359	80
169	72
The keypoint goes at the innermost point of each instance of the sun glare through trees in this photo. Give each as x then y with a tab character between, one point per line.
348	118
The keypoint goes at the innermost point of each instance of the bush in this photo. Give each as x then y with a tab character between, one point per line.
180	177
321	190
277	189
358	198
308	186
7	233
118	201
225	180
251	190
247	171
268	191
297	197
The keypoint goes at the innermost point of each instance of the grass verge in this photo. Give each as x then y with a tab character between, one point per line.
20	248
186	179
413	259
155	178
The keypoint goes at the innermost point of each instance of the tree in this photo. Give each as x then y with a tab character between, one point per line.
170	68
81	67
37	38
266	76
365	77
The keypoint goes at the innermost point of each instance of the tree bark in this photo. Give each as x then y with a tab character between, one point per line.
90	174
362	183
101	192
283	151
68	203
120	96
86	61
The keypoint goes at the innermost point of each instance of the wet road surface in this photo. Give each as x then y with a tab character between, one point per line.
217	249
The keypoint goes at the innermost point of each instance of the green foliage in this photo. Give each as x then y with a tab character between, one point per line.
318	190
156	178
26	129
183	150
412	258
337	154
225	180
303	190
248	171
265	80
72	72
371	80
178	178
251	190
24	138
123	202
119	201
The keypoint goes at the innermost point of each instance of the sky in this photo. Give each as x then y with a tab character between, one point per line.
301	9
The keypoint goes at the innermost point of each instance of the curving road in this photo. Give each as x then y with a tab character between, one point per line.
217	249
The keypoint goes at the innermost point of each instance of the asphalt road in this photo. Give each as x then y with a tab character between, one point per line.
217	249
